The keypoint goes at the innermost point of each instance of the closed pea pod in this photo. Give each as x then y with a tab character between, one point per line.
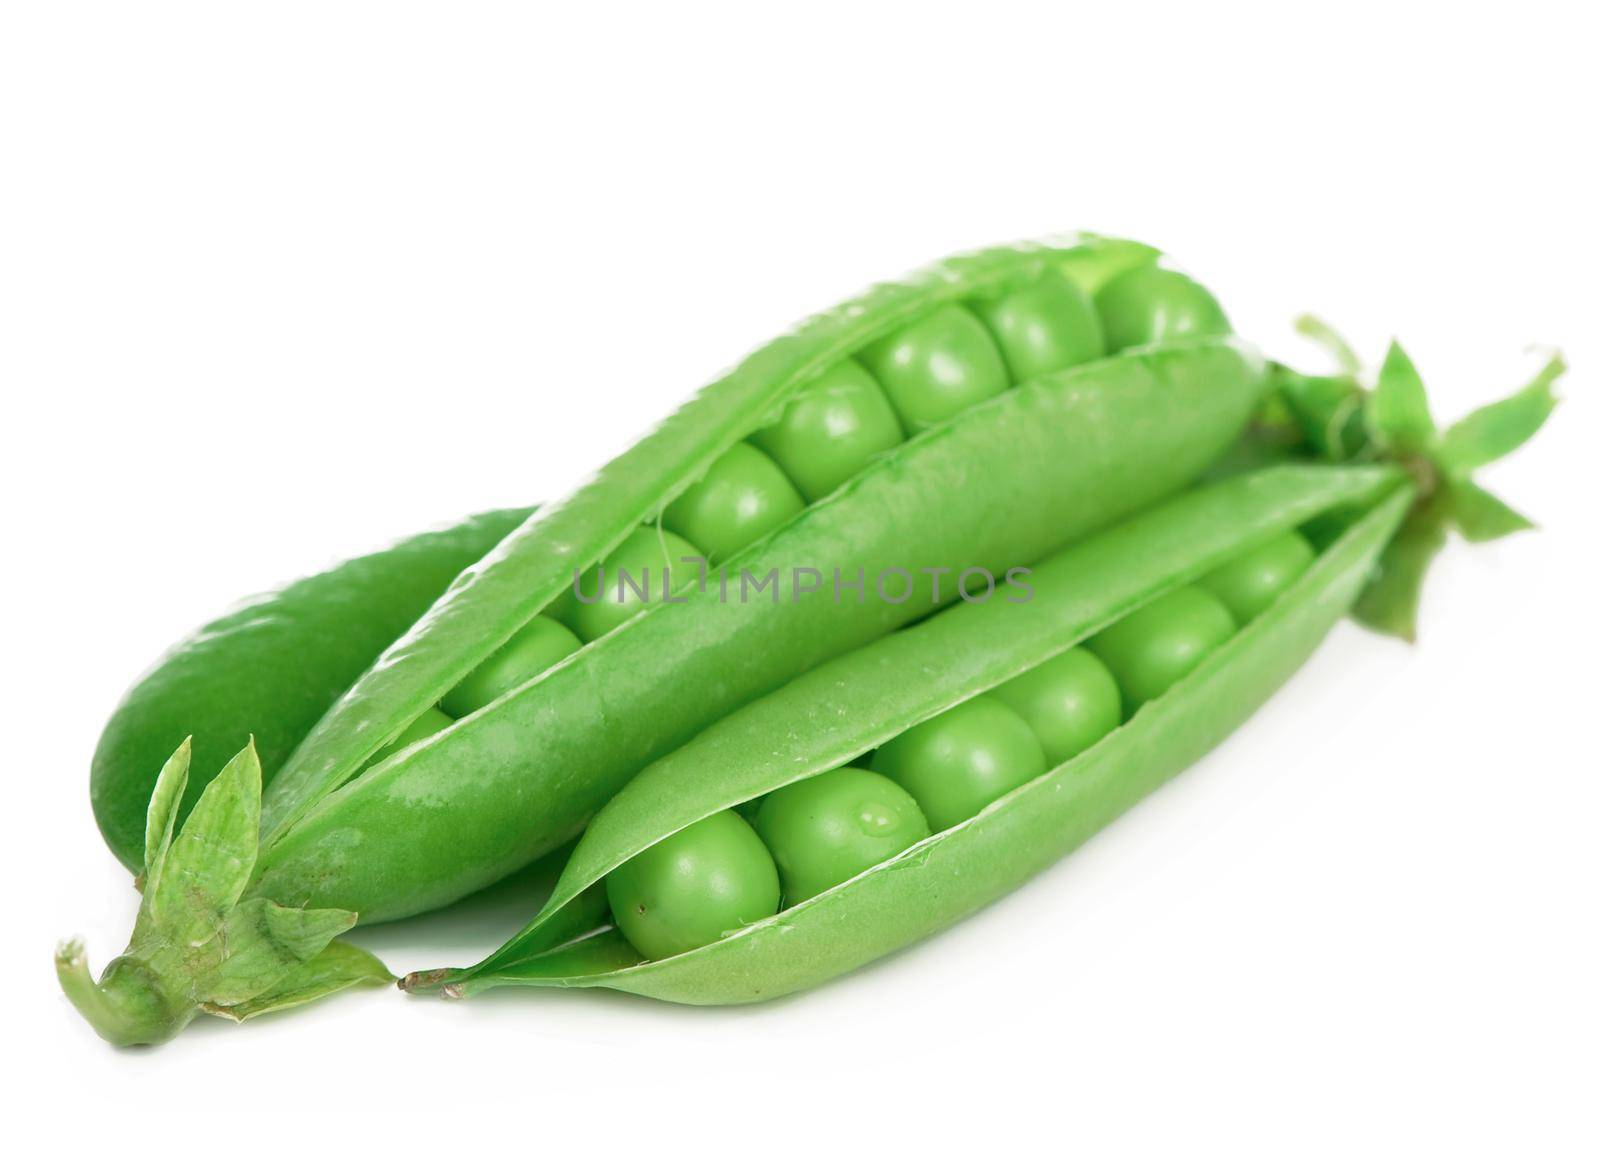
269	669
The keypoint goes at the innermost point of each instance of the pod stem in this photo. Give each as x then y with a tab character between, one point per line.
199	944
1341	419
128	1006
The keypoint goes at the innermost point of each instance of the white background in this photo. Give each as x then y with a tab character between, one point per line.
281	282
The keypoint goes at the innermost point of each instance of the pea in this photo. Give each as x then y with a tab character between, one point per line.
743	497
827	829
1150	304
642	563
963	759
1070	702
1151	649
1045	327
831	430
938	367
690	889
1251	582
431	721
537	646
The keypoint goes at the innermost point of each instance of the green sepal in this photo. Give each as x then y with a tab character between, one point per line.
265	942
337	967
1397	416
1494	431
1340	422
1481	516
163	813
210	861
1330	340
1328	409
195	945
1391	599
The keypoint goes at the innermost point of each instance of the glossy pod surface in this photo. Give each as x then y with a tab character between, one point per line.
1003	485
825	829
505	784
271	668
492	601
891	685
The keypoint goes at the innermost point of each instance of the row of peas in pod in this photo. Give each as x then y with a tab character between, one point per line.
739	866
951	359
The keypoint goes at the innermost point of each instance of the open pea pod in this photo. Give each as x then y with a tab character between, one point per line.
852	704
532	567
996	486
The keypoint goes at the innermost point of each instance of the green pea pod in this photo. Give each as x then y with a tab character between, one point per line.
270	668
998	486
1062	456
856	702
533	566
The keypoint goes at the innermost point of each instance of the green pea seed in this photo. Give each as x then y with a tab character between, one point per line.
963	759
831	430
611	593
1151	649
536	647
1251	582
693	887
938	367
1047	326
431	721
743	497
827	829
1150	304
1070	702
